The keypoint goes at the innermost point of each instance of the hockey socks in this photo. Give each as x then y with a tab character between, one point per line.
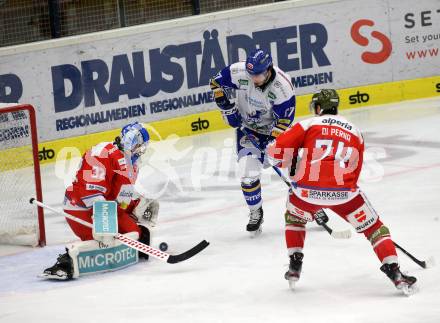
380	238
295	232
252	194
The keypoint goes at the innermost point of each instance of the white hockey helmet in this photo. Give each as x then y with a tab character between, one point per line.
134	140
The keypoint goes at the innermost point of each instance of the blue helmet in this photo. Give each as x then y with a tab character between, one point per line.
134	140
258	62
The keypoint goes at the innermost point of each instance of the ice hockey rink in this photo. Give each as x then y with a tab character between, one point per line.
239	279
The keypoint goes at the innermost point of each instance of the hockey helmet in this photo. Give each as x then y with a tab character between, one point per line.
328	101
134	140
258	62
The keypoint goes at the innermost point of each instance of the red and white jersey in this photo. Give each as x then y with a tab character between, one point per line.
104	173
330	150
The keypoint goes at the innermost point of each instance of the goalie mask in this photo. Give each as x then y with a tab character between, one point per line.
134	140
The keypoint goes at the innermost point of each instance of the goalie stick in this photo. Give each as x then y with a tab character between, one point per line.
139	246
344	234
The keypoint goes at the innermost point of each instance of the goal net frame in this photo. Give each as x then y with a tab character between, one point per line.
36	162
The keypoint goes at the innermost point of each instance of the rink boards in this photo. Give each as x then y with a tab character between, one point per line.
351	98
84	86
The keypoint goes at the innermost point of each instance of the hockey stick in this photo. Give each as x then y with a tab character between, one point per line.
421	263
276	169
139	246
344	234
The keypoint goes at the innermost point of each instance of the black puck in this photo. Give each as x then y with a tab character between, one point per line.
163	246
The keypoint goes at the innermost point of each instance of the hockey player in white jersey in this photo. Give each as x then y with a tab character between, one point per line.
264	108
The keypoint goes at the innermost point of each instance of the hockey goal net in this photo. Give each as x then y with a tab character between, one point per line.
20	222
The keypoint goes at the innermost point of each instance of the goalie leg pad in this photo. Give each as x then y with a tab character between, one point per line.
92	256
105	221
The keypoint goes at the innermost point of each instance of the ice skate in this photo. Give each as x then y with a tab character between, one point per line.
62	270
295	266
402	282
255	222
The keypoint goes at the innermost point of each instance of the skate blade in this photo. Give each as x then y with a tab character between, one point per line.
256	233
292	283
291	279
52	277
408	290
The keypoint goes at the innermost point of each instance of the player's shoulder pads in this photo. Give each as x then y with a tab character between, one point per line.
281	86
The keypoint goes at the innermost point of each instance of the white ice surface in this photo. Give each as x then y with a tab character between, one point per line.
238	279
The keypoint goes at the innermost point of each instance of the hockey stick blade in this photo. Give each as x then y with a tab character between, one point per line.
344	234
430	262
424	264
173	259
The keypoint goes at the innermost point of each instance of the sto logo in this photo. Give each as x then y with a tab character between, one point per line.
371	57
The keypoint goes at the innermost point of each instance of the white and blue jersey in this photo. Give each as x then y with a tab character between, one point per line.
264	111
261	108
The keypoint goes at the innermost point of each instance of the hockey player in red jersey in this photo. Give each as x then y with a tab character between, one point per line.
329	150
108	171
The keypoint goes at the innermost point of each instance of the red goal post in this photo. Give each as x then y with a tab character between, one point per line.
20	178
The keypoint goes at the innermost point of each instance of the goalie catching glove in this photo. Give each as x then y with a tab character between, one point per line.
146	212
